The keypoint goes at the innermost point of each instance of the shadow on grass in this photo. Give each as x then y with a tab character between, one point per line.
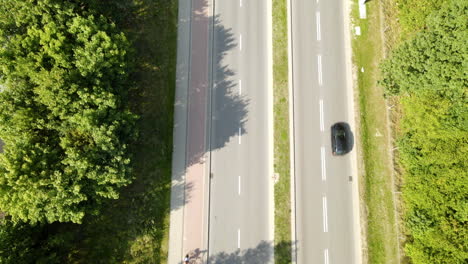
283	252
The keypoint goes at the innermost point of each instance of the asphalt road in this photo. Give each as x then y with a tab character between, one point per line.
240	217
325	220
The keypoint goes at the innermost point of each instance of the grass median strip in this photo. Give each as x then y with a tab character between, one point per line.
281	133
376	170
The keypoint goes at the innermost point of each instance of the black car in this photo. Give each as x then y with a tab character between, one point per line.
340	136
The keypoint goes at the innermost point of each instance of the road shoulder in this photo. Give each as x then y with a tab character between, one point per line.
351	116
180	133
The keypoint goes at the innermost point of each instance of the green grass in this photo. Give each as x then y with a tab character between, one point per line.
376	179
134	228
281	133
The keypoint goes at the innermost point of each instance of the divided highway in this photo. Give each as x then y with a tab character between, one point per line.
241	202
222	190
326	225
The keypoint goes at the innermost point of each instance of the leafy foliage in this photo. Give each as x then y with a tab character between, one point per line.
63	116
435	58
429	73
22	243
413	13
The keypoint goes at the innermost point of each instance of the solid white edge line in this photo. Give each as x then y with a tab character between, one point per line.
319	37
271	181
319	65
238	238
240	136
325	216
325	256
322	127
292	188
324	168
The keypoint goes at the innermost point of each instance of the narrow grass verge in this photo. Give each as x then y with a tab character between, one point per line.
281	133
376	180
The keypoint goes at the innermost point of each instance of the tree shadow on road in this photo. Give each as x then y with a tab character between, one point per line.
229	108
261	254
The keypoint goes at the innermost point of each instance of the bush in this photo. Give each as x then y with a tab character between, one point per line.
428	72
413	13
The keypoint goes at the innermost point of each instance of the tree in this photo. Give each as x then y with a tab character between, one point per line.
428	73
63	112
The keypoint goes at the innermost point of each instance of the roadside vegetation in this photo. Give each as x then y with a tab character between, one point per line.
281	133
86	116
63	112
422	76
376	185
427	75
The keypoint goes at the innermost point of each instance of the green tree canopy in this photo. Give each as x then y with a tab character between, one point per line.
436	58
429	73
63	115
413	13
